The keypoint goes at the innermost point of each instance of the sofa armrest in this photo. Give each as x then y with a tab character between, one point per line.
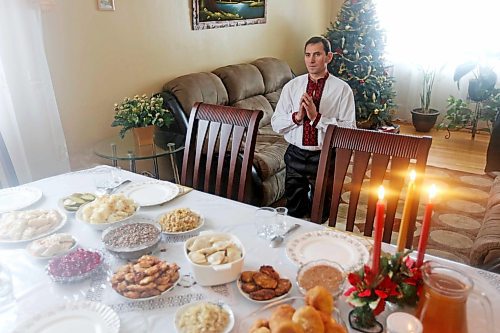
486	246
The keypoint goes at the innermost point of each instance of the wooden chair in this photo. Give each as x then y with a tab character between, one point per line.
219	149
358	147
6	165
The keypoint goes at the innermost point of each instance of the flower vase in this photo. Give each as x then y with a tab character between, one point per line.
143	136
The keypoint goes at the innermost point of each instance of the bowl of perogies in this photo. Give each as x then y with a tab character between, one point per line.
215	257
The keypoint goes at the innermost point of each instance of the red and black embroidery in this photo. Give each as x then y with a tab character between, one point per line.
315	90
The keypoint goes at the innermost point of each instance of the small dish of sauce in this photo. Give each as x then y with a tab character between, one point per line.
324	273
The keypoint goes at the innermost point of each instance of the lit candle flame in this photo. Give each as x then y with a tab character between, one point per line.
432	192
381	193
413	175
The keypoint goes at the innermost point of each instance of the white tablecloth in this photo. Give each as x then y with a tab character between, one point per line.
35	292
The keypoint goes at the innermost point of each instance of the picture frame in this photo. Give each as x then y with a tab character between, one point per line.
210	14
106	5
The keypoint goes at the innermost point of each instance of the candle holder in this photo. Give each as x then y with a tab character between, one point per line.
398	281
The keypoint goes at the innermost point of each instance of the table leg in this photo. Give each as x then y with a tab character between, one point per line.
132	162
114	161
155	166
171	148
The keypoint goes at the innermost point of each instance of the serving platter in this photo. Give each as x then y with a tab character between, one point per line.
54	228
74	317
339	247
152	297
15	198
150	193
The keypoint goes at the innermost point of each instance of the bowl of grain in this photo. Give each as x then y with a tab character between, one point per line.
326	273
133	238
180	221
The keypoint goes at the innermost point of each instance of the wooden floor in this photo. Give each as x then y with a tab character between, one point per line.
459	152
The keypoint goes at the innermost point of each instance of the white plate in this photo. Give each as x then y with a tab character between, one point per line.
339	247
56	227
101	226
247	296
15	198
58	254
224	306
74	317
202	223
151	193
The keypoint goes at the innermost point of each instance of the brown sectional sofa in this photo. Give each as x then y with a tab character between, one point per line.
256	86
486	247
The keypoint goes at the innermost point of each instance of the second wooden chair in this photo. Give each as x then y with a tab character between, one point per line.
219	150
363	148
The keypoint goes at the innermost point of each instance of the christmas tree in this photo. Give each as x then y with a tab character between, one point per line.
358	58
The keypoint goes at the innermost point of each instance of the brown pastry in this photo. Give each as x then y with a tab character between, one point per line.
269	270
280	314
331	326
309	319
246	276
249	287
284	285
260	326
264	281
262	294
320	298
288	327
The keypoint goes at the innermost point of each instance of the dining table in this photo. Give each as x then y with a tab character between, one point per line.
35	292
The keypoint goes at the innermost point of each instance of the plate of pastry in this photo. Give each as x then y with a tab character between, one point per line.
264	285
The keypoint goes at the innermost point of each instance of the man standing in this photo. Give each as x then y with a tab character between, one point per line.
307	105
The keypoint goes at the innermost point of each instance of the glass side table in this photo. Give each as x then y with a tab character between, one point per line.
118	149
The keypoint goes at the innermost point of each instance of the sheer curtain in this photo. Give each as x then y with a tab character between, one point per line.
436	34
29	118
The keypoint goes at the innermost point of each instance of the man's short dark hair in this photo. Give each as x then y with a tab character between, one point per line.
320	39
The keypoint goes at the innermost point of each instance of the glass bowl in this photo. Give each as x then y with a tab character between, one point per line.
128	230
266	311
71	261
326	273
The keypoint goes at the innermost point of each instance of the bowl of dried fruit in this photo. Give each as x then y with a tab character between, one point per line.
133	238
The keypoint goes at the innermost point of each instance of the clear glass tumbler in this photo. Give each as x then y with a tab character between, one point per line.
281	212
265	222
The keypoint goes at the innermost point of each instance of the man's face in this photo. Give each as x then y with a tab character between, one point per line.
316	59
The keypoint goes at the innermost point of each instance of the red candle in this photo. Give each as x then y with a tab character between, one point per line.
379	227
426	226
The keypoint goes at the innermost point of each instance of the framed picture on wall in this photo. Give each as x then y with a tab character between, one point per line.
209	14
106	4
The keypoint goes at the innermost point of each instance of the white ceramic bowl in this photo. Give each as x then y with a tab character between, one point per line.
101	226
212	275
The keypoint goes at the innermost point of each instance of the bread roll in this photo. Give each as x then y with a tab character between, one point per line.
281	314
309	319
320	298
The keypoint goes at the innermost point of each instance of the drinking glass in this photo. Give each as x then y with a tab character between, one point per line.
281	212
265	222
105	178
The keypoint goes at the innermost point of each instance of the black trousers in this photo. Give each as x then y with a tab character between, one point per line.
493	153
301	170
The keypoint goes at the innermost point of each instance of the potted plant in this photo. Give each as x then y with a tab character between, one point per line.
458	115
142	114
482	86
424	118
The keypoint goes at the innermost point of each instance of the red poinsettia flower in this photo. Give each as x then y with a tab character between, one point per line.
350	291
354	279
369	275
380	307
365	293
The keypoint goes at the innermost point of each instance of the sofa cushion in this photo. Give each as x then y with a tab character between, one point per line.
269	154
258	102
241	81
275	73
197	87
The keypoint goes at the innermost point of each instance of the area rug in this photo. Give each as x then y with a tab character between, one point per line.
458	211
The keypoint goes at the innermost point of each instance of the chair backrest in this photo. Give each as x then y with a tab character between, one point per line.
219	149
6	165
362	148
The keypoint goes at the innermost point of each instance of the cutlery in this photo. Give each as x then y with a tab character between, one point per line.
278	239
111	190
